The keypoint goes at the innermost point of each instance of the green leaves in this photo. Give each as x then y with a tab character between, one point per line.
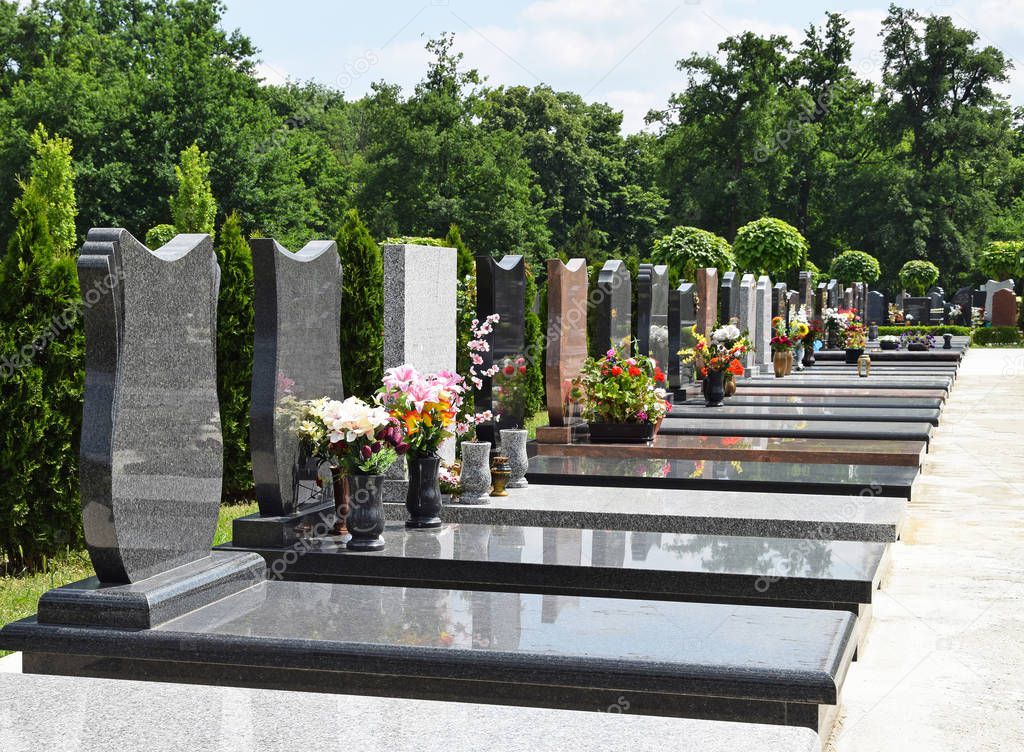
769	245
855	266
917	276
362	308
193	207
687	249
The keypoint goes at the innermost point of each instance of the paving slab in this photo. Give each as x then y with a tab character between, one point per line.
730	411
757	664
772	477
800	428
752	449
100	715
772	515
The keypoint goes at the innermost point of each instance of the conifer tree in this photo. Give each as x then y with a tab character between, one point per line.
362	308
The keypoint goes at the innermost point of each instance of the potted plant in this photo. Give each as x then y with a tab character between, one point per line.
427	406
916	341
782	348
856	339
889	342
623	397
360	442
720	355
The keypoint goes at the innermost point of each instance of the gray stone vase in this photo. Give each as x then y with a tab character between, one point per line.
513	446
475	477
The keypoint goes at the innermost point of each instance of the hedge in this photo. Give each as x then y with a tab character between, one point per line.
959	331
996	335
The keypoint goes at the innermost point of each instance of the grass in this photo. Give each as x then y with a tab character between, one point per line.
19	595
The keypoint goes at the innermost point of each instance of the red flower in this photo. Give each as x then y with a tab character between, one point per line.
634	371
522	369
616	371
659	375
509	370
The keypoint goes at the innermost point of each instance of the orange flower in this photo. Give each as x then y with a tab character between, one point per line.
736	368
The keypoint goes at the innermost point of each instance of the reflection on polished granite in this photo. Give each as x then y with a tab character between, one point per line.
796	412
778	388
886	480
840	381
815	400
826	429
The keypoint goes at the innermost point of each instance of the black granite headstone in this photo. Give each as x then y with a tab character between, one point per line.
728	297
780	301
612	309
877	311
917	308
962	298
297	357
652	312
682	316
501	289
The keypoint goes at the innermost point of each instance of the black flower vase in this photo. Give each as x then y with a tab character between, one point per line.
423	500
365	520
809	355
714	388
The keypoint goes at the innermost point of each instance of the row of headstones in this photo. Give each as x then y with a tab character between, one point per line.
998	299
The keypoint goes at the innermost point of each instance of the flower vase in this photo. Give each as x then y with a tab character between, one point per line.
789	362
365	519
779	364
714	385
475	476
809	355
423	500
501	471
852	354
730	384
340	483
513	446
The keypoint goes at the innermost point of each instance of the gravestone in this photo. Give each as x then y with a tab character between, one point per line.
860	300
763	323
707	300
792	304
876	308
978	298
990	288
612	308
835	293
821	300
501	290
901	298
729	297
682	317
652	312
917	310
567	337
1004	308
962	298
807	290
848	298
936	290
780	301
746	312
297	356
937	308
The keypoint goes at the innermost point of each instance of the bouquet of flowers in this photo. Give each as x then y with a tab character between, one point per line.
781	341
799	328
618	388
426	405
837	321
895	314
855	336
918	340
362	439
722	352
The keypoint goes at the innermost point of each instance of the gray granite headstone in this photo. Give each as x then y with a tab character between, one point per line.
612	308
780	301
835	293
792	304
728	297
859	298
820	299
901	298
848	298
652	312
990	287
877	311
763	322
807	290
297	357
151	446
937	290
682	316
962	298
746	311
501	289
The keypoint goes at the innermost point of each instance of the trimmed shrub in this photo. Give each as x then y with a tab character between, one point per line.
362	308
855	266
996	335
234	353
1001	259
917	276
769	246
160	235
687	249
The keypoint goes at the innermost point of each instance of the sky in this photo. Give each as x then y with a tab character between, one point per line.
622	53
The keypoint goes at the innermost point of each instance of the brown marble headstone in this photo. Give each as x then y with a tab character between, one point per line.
1004	308
567	332
707	300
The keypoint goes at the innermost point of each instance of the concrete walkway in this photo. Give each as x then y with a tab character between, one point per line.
943	667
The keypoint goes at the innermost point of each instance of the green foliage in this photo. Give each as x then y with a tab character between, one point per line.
160	235
193	207
411	240
855	266
534	340
362	308
936	330
917	276
234	352
41	382
769	245
817	275
53	181
996	335
1001	259
466	266
687	249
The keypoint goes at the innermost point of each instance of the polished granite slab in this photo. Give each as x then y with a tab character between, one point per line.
757	664
814	400
839	381
729	411
751	449
779	388
793	572
100	715
937	355
779	477
800	428
657	510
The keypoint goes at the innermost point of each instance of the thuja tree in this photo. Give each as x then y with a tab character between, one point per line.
41	380
160	235
917	276
362	308
193	208
855	266
466	266
534	340
234	353
769	246
53	180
